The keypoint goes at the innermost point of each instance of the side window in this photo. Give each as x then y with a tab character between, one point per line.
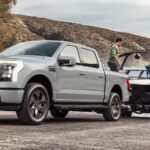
71	51
89	58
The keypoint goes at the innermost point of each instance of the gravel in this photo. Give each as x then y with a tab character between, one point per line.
77	131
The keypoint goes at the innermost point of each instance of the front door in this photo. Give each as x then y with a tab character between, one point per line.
71	79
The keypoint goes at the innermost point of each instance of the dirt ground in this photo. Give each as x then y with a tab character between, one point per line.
77	131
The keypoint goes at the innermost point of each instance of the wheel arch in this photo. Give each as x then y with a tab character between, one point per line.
42	79
117	89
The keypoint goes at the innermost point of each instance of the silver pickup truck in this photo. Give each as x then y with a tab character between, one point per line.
38	76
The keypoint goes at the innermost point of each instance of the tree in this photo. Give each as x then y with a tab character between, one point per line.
6	29
6	5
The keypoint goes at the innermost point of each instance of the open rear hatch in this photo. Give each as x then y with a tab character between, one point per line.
139	74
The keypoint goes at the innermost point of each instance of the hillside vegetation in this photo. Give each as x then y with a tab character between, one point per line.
18	28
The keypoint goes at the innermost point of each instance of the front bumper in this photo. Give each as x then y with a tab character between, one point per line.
11	95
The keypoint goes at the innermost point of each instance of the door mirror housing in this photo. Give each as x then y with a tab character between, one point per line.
66	61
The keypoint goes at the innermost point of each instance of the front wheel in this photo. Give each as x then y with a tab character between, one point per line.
35	104
113	112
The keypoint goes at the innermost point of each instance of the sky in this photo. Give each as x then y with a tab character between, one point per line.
120	15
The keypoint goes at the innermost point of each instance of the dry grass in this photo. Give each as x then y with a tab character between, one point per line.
6	30
17	28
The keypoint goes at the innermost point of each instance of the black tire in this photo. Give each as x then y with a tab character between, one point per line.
126	113
58	113
113	112
123	113
129	114
35	105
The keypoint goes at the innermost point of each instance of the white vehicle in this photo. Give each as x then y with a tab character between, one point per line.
139	101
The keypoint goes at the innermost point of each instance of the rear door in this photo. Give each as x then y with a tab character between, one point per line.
95	79
71	79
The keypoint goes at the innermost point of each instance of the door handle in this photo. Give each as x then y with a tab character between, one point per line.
101	76
82	74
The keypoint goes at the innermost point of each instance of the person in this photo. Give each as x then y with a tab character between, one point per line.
113	61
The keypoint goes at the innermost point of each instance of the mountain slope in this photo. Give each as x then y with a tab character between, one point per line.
13	30
33	28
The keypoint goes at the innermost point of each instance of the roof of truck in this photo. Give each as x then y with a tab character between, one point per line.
63	42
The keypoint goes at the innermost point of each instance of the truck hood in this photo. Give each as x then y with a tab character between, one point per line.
26	58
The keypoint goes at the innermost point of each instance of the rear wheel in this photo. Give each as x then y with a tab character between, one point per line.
59	113
113	112
35	104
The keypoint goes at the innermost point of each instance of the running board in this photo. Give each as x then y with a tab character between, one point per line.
79	107
10	107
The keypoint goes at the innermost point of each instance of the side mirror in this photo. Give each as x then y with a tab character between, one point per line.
137	56
66	61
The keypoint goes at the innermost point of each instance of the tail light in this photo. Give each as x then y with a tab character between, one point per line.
128	84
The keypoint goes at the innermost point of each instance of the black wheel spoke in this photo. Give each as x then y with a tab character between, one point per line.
43	99
37	93
32	101
32	110
38	104
116	107
41	109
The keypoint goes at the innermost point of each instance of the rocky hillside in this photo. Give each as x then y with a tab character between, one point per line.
13	30
23	28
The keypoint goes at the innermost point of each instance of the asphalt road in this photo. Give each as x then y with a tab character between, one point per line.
83	131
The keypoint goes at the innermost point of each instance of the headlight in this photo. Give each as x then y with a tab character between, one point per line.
9	70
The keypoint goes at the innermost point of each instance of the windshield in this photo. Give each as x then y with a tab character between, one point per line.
32	48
